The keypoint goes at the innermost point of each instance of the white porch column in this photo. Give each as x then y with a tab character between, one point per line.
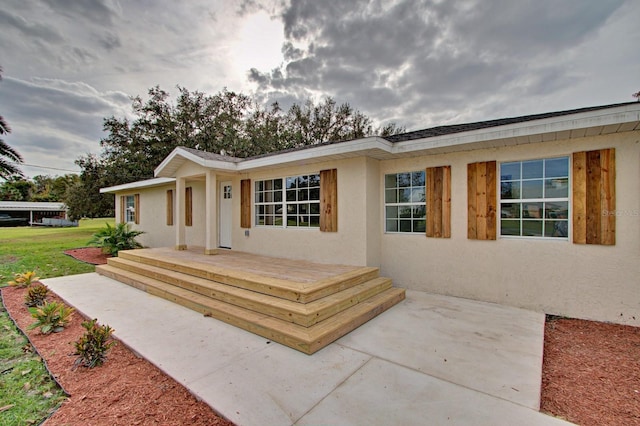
180	215
211	217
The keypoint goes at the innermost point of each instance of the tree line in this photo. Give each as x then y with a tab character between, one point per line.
226	123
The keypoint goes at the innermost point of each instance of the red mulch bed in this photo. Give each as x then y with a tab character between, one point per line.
591	372
93	255
126	390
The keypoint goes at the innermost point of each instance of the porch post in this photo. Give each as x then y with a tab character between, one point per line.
211	217
180	226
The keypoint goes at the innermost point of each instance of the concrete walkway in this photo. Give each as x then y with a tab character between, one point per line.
430	360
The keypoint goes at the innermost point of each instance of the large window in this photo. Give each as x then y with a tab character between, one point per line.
534	198
292	202
404	201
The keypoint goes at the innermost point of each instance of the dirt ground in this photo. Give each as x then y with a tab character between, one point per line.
590	375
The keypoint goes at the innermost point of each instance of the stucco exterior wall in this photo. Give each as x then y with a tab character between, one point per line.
350	245
556	277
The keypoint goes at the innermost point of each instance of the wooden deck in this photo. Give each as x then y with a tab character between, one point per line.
300	304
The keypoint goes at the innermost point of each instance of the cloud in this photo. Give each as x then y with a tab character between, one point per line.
29	28
409	58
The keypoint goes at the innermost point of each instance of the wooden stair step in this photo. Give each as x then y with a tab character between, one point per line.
299	313
305	339
285	289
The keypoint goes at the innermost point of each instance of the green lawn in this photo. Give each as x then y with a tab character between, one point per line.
27	393
41	249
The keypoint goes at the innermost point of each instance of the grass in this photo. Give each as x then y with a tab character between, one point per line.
41	249
27	392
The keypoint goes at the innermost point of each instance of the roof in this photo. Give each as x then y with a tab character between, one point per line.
149	183
466	127
32	206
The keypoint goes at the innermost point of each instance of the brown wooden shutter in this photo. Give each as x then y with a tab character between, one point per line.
136	209
188	206
439	202
594	197
245	203
481	200
123	199
329	200
170	207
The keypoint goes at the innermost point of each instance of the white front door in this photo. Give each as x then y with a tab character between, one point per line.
225	214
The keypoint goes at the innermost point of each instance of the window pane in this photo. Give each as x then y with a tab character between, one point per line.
291	195
417	178
303	194
556	188
532	169
268	197
390	181
268	210
291	182
277	220
532	210
303	209
277	184
391	196
559	210
531	189
392	212
510	210
392	226
532	228
404	180
291	209
292	220
314	180
405	225
277	196
314	221
404	195
419	226
314	194
510	190
417	195
510	171
303	181
259	185
404	212
260	209
557	167
259	197
419	212
315	208
556	228
268	185
510	227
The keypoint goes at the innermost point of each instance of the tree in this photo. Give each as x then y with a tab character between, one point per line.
9	157
83	197
16	189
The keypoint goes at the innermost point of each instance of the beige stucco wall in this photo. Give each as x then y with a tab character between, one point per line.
350	245
556	277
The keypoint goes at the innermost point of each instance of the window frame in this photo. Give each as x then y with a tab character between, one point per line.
272	199
410	204
130	208
540	201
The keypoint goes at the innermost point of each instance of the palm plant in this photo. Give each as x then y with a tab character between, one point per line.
112	239
8	156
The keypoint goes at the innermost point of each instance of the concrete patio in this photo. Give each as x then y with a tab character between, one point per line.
429	360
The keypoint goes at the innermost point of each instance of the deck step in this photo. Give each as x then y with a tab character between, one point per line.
305	339
304	314
281	288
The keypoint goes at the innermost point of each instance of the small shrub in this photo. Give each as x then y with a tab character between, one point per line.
36	295
92	347
51	317
112	239
24	280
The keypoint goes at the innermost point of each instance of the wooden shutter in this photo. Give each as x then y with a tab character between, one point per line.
188	206
329	200
481	200
123	200
439	202
245	203
136	209
594	197
170	207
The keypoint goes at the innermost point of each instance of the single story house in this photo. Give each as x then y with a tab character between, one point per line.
540	211
23	213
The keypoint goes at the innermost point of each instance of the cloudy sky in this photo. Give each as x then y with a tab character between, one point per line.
67	64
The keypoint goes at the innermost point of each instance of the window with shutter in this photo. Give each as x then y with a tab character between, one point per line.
188	206
245	203
439	202
481	200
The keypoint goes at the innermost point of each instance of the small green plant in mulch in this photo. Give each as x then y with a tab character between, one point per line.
51	317
93	346
112	239
24	279
36	295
